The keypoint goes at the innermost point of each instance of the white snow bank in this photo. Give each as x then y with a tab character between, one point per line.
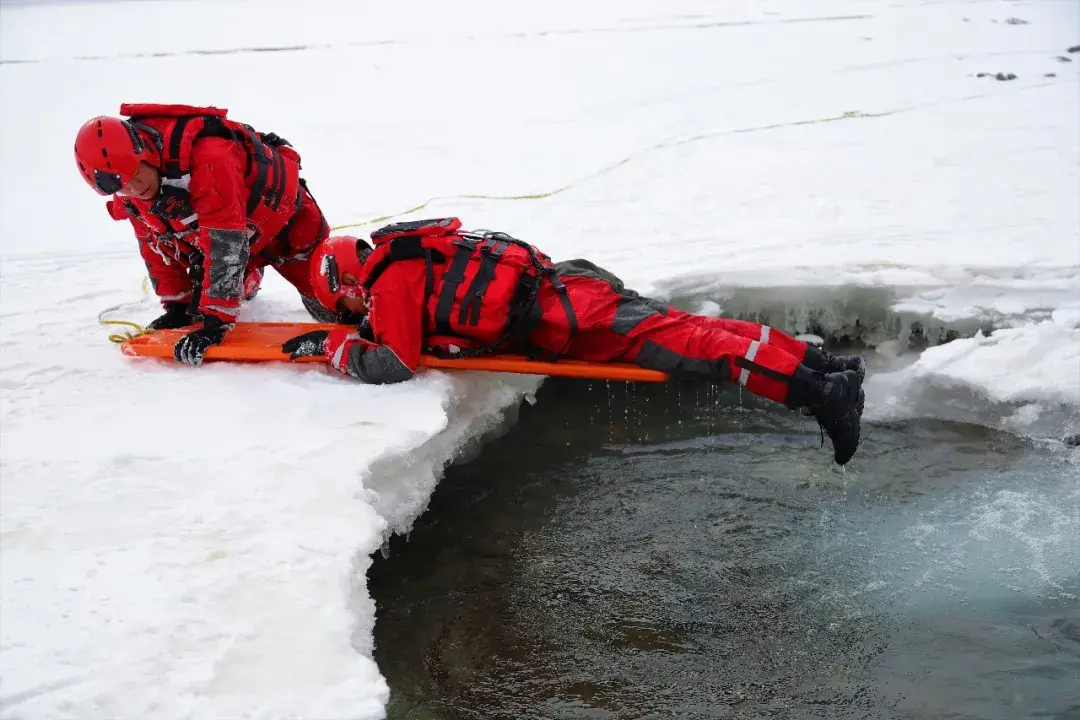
1030	364
192	543
1024	379
185	543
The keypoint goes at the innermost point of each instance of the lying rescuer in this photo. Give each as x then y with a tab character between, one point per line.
429	286
212	202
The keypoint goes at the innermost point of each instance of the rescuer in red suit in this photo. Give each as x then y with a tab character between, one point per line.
212	202
427	286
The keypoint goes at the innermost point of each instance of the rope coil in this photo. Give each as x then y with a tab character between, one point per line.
119	338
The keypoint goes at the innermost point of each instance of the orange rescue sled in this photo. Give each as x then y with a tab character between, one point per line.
261	342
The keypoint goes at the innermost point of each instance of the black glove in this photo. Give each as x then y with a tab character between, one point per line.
307	345
176	316
191	348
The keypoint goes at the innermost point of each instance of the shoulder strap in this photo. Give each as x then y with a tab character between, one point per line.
407	247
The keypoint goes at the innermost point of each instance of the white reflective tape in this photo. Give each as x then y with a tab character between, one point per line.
183	182
744	376
173	298
765	334
339	354
336	362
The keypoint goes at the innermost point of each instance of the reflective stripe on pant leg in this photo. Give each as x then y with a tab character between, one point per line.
750	330
339	354
744	376
767	370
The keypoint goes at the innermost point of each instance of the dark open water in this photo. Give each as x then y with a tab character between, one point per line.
639	551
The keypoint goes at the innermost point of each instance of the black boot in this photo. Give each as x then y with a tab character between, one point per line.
834	399
825	362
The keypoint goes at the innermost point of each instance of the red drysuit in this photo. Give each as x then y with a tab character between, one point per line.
231	201
427	285
168	256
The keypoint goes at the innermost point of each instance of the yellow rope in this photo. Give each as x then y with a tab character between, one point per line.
127	334
421	206
850	115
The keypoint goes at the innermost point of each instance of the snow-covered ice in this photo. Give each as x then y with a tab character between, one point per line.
193	543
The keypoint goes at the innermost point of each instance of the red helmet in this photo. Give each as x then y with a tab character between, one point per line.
108	151
334	257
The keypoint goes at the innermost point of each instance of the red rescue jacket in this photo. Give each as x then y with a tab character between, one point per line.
227	191
427	285
475	284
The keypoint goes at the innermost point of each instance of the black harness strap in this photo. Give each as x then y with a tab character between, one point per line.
408	247
526	312
258	152
176	139
568	308
527	322
273	176
429	275
429	285
273	200
454	276
474	296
